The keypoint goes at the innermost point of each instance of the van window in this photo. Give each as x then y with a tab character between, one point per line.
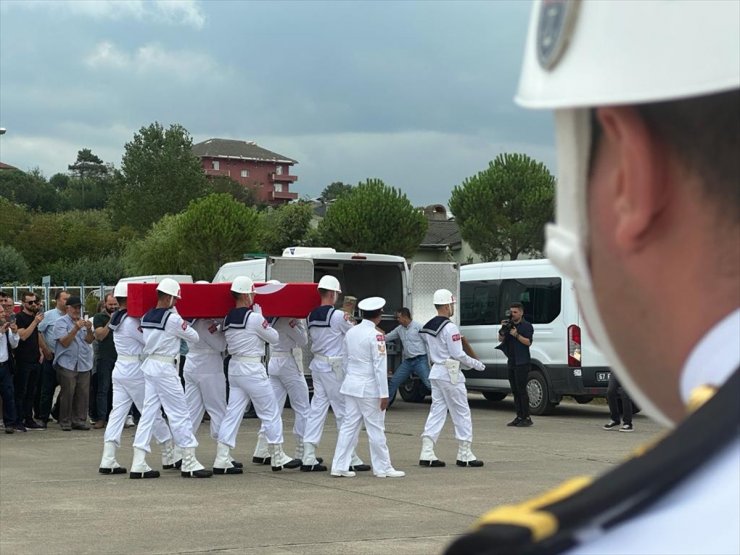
484	303
540	297
479	303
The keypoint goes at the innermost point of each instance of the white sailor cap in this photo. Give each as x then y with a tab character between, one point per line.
371	303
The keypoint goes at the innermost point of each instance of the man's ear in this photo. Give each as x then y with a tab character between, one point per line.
639	177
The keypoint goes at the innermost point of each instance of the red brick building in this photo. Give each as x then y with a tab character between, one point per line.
247	163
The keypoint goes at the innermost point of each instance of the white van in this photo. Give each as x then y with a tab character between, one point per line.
364	275
253	268
179	278
565	360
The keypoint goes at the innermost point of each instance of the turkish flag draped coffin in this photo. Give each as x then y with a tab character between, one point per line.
214	300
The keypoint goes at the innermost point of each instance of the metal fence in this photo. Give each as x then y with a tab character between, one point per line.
91	295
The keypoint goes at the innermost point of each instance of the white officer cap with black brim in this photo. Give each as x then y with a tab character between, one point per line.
371	304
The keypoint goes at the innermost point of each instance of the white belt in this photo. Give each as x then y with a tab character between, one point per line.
130	358
246	359
280	354
161	358
327	359
204	352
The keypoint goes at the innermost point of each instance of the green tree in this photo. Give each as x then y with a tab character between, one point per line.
159	175
106	269
31	190
288	225
13	267
66	236
214	230
90	184
335	190
88	165
13	219
158	252
224	184
374	218
503	210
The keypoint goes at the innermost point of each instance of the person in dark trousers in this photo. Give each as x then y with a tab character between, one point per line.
515	336
27	361
8	341
105	361
613	392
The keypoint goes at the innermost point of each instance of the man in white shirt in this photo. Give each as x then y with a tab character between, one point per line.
415	358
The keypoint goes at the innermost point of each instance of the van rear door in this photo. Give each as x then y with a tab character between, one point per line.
290	270
426	278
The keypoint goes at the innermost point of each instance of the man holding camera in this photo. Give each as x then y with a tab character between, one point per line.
515	336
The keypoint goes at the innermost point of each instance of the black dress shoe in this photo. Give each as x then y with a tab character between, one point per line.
313	468
436	463
524	423
474	463
9	430
144	475
196	474
360	467
176	464
261	460
237	464
116	470
83	427
515	422
230	470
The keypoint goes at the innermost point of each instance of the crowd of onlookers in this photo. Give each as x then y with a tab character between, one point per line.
41	352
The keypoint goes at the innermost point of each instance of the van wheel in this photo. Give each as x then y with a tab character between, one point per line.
413	391
539	394
494	395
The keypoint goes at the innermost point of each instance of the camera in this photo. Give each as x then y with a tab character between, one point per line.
507	324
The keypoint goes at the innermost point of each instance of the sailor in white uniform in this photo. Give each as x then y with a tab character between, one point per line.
163	329
203	372
444	344
128	388
365	388
327	327
247	332
285	370
646	226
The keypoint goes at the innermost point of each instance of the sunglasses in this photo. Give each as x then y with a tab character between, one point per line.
31	302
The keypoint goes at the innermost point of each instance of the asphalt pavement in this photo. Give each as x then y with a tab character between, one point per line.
52	499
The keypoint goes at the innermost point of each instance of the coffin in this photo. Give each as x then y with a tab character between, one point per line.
214	300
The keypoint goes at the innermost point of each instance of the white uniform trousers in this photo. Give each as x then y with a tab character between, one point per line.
453	397
357	410
292	385
165	390
127	390
325	392
257	388
206	392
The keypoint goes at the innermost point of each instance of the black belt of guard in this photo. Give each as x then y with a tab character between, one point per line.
623	493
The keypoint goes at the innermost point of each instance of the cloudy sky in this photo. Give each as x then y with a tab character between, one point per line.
418	94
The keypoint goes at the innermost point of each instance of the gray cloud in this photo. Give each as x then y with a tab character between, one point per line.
417	93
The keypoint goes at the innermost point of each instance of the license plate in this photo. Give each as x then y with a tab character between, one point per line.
602	376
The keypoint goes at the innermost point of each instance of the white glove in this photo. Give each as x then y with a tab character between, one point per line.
480	367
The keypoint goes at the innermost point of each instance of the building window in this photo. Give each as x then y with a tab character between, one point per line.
245	173
279	170
216	164
278	187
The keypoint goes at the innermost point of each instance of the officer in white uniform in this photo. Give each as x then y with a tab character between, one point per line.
163	329
247	332
647	111
327	327
365	388
444	344
128	388
285	370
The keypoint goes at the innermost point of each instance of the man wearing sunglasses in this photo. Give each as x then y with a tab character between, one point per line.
27	361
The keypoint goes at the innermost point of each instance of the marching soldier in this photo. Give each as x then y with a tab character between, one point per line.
647	226
365	388
327	328
246	333
163	329
287	380
128	388
444	343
